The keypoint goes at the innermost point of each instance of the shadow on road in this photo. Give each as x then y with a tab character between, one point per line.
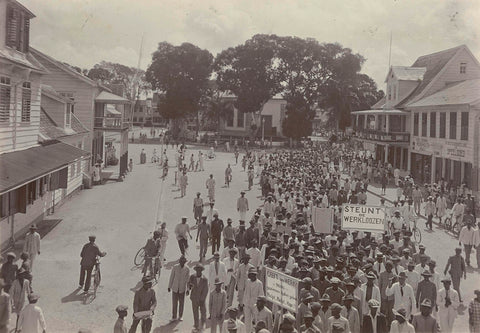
167	328
75	296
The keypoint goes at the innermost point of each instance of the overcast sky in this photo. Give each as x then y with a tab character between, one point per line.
84	32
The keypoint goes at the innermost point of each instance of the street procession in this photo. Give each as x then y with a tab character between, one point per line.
182	166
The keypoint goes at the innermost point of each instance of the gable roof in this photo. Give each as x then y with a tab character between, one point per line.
464	92
407	73
380	104
63	67
434	63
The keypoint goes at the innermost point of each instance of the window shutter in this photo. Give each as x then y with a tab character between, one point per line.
26	31
12	26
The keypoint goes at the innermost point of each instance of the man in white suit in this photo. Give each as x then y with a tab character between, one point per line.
32	244
404	298
217	270
447	302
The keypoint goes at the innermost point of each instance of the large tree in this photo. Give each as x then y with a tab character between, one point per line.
181	74
131	79
249	72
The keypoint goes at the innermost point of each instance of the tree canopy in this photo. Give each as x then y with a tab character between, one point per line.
131	79
181	74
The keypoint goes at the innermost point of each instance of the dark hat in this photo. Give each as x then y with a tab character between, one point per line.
325	298
252	270
307	280
92	237
216	255
33	227
147	279
233	250
348	298
217	281
198	267
232	309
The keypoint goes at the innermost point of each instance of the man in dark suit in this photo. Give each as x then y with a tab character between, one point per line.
198	286
374	317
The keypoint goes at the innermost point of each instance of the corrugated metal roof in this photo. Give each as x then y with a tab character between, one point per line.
465	92
409	73
20	167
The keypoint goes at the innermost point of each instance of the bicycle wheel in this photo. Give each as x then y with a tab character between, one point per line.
417	235
456	229
139	257
96	281
448	223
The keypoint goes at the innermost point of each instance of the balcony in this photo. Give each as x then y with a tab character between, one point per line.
110	123
375	135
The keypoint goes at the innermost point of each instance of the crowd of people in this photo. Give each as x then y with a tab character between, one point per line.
348	281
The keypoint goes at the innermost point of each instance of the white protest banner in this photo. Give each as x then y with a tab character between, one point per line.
281	289
322	219
363	218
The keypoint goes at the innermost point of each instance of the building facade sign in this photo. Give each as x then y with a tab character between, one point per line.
453	150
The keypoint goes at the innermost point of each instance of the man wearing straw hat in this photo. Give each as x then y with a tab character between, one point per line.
400	324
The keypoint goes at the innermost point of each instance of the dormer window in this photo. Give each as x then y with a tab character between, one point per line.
17	33
463	68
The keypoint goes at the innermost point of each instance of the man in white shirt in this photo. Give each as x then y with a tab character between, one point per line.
413	278
32	244
242	206
218	270
447	302
31	318
211	212
467	238
253	289
231	263
404	298
255	254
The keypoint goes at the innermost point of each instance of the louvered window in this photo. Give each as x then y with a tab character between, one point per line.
5	89
17	29
26	101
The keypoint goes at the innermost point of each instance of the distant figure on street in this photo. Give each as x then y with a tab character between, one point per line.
242	206
130	165
198	287
217	305
5	307
210	184
447	302
474	313
177	284
144	300
456	268
31	318
200	161
181	231
8	271
203	234
197	208
32	244
89	254
183	182
120	326
228	175
163	242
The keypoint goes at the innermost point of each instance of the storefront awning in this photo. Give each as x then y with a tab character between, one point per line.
20	167
111	110
106	97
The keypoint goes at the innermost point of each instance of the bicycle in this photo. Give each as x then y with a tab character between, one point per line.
416	233
453	227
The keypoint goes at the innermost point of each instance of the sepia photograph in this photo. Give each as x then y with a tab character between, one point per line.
239	166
